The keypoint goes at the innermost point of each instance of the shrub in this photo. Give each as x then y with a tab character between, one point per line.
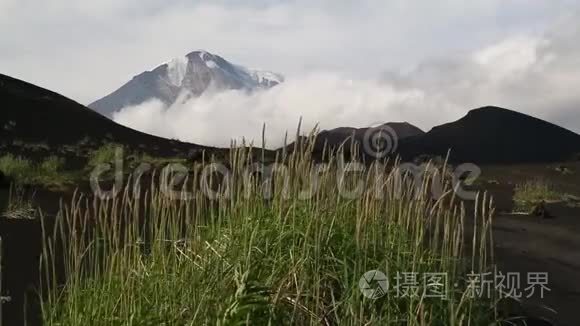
104	154
51	171
15	167
528	194
23	171
157	161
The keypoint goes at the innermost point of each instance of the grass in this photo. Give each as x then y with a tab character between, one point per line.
529	194
49	172
139	157
106	153
294	256
15	166
109	152
19	204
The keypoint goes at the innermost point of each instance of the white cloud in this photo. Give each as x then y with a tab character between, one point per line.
509	57
86	49
330	99
532	74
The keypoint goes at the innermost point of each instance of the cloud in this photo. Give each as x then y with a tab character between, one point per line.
534	74
325	98
86	49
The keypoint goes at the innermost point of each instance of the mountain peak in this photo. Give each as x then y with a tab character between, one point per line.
203	55
186	77
490	109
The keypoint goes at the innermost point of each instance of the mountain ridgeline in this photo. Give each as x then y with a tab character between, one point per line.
493	135
486	135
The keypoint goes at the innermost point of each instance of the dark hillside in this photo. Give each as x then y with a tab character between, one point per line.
496	135
33	115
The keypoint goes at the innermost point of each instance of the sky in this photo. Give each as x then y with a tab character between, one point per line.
347	63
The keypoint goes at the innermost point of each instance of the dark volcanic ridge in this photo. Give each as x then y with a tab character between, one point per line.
485	135
346	136
33	115
496	135
336	136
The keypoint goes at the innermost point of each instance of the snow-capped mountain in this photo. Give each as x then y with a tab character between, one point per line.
183	78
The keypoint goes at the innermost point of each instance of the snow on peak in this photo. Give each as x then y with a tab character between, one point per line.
176	70
207	58
193	74
211	64
262	76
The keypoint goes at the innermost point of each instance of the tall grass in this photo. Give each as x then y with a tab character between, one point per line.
291	257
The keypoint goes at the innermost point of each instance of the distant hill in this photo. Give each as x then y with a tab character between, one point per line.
496	135
336	137
184	78
345	137
486	135
34	115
